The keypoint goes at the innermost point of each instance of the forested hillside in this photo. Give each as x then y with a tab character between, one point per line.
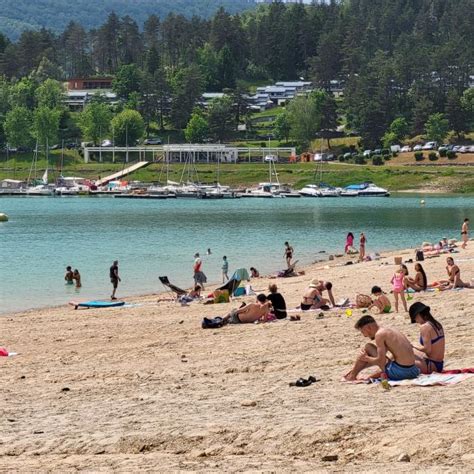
19	15
404	66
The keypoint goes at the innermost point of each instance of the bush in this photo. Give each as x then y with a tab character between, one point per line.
346	149
419	156
377	160
451	154
385	152
433	156
442	152
360	160
341	158
394	154
263	144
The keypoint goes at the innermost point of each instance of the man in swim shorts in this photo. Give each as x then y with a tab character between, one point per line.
114	278
69	276
400	366
249	313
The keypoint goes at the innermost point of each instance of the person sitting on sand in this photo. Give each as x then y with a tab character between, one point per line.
77	277
194	294
312	298
381	302
254	273
249	313
402	366
419	283
326	286
454	277
430	354
278	302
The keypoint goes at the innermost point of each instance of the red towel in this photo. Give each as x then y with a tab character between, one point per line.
3	352
459	371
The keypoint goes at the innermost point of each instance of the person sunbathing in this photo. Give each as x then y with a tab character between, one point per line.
249	313
194	294
430	353
454	277
402	366
312	298
381	302
419	283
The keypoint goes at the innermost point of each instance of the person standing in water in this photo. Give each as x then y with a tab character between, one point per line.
69	276
465	233
225	269
362	242
288	254
77	277
349	243
114	278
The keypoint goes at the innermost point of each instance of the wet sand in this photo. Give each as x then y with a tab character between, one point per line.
144	388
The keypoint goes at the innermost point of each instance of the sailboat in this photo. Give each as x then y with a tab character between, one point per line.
40	187
321	189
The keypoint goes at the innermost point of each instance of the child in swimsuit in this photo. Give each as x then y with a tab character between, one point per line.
381	302
398	287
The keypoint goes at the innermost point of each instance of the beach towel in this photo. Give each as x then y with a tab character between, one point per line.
4	352
429	380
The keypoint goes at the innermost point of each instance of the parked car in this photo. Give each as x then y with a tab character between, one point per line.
367	153
153	141
377	151
347	156
456	148
442	149
429	146
463	149
271	158
471	149
106	143
55	147
417	148
406	149
71	145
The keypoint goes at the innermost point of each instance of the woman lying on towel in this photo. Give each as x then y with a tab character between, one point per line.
194	294
430	353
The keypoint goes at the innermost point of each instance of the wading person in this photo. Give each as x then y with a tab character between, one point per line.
114	278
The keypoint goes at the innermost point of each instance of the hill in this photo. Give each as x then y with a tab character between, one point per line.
18	15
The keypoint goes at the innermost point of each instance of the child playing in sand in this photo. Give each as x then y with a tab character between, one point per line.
381	302
398	282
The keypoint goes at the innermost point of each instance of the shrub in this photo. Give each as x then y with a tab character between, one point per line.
346	149
419	156
451	154
377	160
385	151
263	144
341	158
359	160
442	152
394	154
433	156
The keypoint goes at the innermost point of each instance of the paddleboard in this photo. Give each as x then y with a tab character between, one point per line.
96	304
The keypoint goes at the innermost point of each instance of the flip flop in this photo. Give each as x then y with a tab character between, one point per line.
313	379
295	318
301	383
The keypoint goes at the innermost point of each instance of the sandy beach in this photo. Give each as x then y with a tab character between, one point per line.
144	388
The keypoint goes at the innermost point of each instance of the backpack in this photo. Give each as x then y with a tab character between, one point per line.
213	323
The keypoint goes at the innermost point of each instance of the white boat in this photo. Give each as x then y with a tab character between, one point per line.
364	190
310	190
39	190
330	191
71	186
263	190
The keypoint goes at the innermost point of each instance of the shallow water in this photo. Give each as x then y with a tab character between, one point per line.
151	238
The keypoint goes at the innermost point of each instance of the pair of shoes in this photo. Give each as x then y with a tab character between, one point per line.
304	382
295	318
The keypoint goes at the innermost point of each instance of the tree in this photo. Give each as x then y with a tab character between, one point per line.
467	102
186	87
46	125
304	117
221	118
197	129
50	94
455	113
397	131
47	70
128	127
95	120
18	122
282	126
127	80
22	94
437	127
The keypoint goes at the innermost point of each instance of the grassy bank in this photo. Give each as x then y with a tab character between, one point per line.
396	178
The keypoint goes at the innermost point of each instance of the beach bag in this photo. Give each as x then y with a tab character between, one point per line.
419	255
221	296
363	301
213	323
240	291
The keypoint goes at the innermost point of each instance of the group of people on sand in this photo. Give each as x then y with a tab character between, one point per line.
72	277
406	360
349	247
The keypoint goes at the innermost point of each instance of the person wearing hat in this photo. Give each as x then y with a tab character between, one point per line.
312	298
402	363
430	353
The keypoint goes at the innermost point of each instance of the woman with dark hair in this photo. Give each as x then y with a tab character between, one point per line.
419	283
430	354
349	243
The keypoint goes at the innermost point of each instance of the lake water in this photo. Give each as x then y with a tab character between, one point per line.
152	238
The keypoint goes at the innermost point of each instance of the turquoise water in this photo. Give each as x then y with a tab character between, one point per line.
151	238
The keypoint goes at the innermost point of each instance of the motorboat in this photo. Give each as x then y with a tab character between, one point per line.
263	190
39	190
321	190
310	190
364	190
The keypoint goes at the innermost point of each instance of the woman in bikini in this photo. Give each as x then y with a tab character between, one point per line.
362	242
454	274
312	298
288	254
419	283
465	233
430	353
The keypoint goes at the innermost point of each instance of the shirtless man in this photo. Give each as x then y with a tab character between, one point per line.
249	313
69	276
312	298
401	366
465	233
326	286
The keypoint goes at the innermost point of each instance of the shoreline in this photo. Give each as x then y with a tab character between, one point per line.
178	397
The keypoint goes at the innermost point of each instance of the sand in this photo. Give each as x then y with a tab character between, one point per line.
146	389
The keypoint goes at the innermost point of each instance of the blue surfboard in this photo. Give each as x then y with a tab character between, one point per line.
97	304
